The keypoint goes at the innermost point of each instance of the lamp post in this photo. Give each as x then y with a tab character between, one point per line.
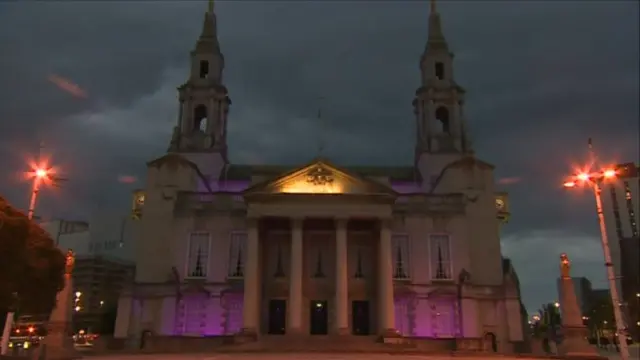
40	174
594	180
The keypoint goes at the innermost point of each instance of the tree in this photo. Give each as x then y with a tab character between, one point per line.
31	266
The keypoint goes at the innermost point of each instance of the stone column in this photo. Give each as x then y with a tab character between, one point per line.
251	304
386	309
574	343
342	279
58	344
295	278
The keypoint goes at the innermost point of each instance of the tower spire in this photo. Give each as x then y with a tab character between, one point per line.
204	102
436	40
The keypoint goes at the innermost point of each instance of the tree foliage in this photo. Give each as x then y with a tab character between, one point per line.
31	266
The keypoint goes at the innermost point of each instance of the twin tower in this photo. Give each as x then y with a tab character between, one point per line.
204	100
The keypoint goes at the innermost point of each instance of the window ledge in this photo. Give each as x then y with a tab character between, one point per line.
442	280
195	277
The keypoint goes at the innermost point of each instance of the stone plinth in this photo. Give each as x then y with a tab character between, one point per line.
58	343
574	344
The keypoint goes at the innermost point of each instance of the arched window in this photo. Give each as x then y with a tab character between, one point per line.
442	115
200	118
440	70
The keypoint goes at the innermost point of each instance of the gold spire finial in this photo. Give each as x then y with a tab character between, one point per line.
432	6
210	9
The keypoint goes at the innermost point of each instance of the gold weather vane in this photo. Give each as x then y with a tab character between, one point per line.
210	9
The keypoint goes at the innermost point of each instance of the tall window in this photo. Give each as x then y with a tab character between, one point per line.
204	69
237	254
440	257
400	253
198	256
440	70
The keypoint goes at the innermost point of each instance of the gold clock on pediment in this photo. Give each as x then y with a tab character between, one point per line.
140	199
500	205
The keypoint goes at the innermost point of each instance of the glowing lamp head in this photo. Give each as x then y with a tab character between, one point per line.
569	184
608	174
583	177
41	173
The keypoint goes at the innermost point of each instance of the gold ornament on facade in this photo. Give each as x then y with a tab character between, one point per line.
320	176
565	266
70	260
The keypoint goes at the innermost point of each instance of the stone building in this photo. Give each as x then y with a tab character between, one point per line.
408	251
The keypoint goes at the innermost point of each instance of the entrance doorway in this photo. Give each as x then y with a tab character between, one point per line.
277	317
319	322
360	317
490	342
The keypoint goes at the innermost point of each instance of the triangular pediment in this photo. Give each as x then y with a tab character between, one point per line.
317	178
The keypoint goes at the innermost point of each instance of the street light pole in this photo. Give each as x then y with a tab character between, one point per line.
594	180
40	173
611	276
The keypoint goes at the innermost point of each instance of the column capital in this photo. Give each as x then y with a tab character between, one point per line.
252	222
341	222
385	223
296	222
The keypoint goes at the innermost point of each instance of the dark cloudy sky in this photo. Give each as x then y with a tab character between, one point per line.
96	82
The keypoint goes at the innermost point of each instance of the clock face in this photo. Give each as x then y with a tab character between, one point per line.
499	204
140	200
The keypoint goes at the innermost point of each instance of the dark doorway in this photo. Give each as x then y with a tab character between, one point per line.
491	343
360	317
146	334
319	323
277	317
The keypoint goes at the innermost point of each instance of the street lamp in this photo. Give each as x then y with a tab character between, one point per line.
41	174
594	180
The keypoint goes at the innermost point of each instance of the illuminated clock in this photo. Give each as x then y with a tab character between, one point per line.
500	204
140	199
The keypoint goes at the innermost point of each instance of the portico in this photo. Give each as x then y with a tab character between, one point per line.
297	275
359	206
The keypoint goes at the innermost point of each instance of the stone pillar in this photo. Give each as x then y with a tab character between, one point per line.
251	304
574	343
342	279
58	344
386	310
295	278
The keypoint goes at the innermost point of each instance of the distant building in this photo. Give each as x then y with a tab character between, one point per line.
622	216
630	271
104	266
582	287
98	281
105	235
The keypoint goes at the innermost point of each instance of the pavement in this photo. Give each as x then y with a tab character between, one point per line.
299	356
634	353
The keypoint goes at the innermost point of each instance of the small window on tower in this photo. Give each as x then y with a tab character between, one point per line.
442	115
204	69
200	118
440	70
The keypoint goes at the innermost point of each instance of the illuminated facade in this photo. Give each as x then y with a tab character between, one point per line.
400	252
